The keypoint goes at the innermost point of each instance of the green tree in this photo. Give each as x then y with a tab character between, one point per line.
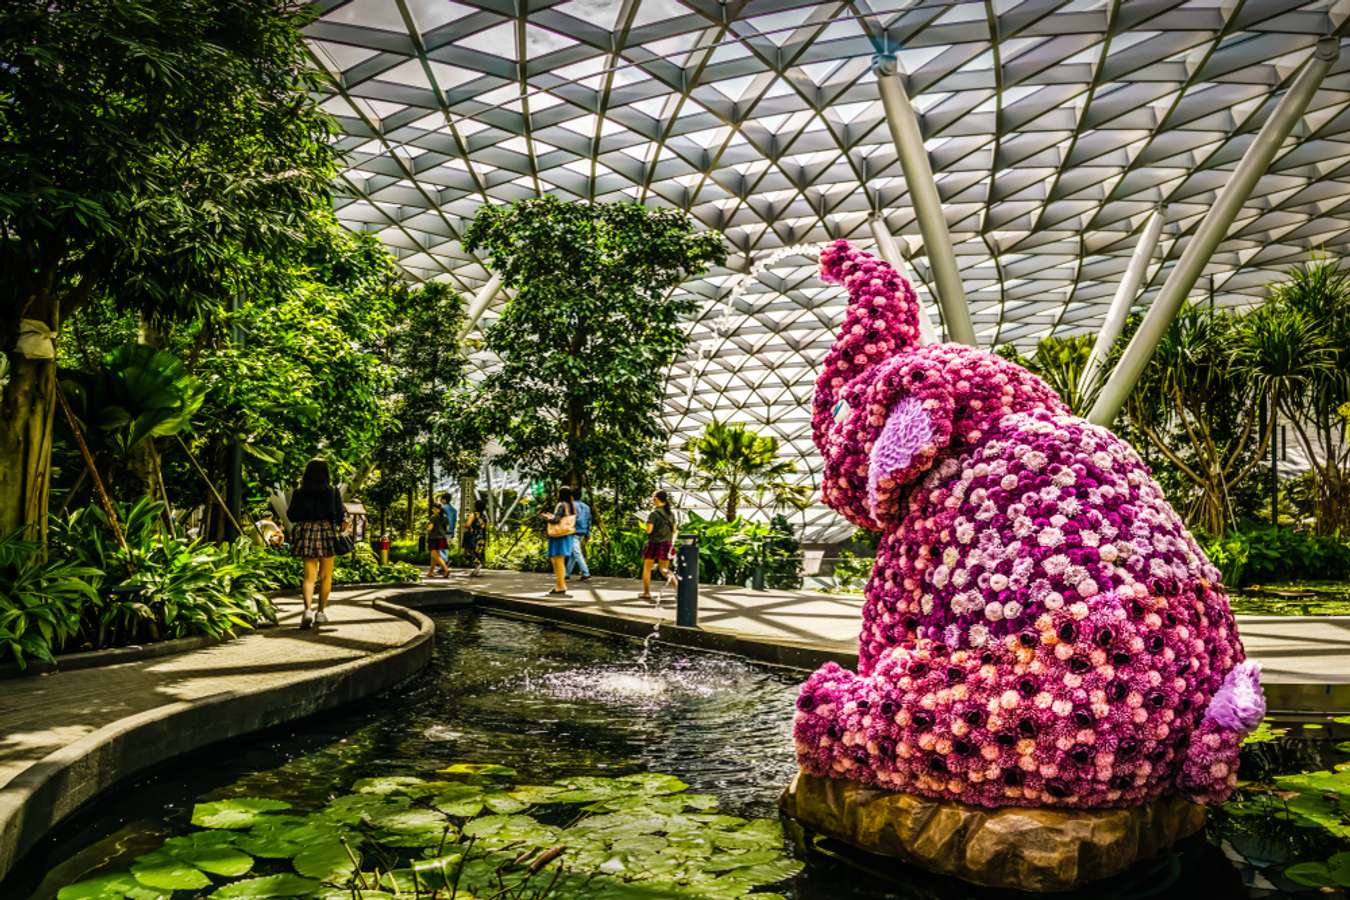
1317	298
428	414
735	461
306	371
1198	402
150	150
590	327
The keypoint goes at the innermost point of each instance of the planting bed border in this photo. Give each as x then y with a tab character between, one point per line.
54	788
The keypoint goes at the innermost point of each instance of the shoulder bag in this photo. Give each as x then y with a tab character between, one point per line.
564	527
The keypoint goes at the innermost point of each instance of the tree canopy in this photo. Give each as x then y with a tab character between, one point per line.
154	151
591	325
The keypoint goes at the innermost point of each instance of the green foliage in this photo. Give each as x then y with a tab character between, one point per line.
308	375
851	572
729	552
734	460
40	601
615	551
430	421
1317	297
477	833
156	155
1274	555
1197	403
587	334
158	146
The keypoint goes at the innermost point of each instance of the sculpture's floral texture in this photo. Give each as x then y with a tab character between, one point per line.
1040	628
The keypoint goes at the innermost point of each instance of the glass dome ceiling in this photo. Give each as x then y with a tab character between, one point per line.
1054	128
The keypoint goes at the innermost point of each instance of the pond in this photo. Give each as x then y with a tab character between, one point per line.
524	734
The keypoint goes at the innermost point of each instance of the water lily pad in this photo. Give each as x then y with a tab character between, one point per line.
120	886
241	812
414	828
210	851
267	887
355	808
726	862
496	831
389	784
654	783
169	874
282	837
327	861
535	793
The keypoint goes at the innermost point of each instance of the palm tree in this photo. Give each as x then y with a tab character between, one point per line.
736	460
1199	400
1318	293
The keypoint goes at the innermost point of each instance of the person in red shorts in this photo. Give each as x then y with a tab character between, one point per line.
438	539
660	538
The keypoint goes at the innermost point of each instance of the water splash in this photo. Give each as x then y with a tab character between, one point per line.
669	583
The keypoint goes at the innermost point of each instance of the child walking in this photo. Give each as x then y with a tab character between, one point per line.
438	539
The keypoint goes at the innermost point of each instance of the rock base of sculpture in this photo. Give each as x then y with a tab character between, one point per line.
1021	848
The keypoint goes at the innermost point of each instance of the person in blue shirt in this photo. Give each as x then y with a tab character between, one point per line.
451	516
584	521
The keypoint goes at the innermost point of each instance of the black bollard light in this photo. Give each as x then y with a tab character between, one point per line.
686	590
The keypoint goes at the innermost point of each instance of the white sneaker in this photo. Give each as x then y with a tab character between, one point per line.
321	618
307	619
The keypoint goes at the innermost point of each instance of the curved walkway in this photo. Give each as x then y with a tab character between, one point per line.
66	736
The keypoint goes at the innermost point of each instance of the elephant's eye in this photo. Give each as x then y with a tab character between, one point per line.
841	411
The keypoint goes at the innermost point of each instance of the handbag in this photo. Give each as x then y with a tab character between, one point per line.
345	543
566	526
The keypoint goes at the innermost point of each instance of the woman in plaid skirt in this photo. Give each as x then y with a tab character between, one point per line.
316	514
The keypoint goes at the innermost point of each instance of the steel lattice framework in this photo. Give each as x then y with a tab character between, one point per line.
1054	128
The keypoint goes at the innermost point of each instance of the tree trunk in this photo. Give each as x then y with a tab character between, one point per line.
27	413
733	501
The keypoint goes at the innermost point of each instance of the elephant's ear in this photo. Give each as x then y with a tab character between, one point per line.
916	428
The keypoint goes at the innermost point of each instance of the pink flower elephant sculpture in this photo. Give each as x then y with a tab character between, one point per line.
1040	629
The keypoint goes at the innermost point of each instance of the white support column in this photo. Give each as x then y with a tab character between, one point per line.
1212	230
890	252
923	192
479	304
1119	310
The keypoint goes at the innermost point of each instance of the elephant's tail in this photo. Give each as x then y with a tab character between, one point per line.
1209	769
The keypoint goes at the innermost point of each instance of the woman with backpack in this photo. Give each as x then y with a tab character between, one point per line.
316	515
660	540
438	539
562	527
475	536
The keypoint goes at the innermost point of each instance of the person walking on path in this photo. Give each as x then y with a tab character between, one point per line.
438	540
474	541
578	558
316	515
452	517
562	526
660	538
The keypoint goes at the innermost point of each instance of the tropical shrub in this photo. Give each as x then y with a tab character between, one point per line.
851	571
1274	555
615	552
729	552
40	601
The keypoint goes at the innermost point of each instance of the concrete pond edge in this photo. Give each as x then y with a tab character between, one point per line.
61	783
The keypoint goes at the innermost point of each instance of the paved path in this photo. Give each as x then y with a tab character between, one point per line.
44	713
1293	650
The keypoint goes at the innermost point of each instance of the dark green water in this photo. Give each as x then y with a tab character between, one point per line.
550	703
